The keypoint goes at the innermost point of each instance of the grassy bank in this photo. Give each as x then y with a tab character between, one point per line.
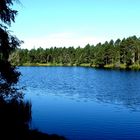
41	64
111	66
123	66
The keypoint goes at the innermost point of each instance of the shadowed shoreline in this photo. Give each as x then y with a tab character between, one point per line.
15	117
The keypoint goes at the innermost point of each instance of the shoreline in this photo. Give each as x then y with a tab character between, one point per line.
111	66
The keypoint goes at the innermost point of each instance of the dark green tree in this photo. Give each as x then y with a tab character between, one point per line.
8	43
114	54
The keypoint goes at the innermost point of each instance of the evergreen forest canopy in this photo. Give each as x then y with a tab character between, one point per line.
123	53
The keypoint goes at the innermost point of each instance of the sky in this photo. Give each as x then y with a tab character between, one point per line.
50	23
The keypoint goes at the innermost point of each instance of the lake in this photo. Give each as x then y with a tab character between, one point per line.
84	103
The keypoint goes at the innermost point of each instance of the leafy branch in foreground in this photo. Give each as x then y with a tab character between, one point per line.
8	43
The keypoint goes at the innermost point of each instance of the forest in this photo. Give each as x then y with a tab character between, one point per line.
121	54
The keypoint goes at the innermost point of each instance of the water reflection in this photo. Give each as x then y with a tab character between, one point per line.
108	86
129	101
83	103
15	118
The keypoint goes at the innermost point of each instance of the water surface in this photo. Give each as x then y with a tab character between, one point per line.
84	103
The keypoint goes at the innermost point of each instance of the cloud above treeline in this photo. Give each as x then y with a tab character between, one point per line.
60	40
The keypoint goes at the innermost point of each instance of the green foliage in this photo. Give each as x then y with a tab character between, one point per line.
8	43
113	54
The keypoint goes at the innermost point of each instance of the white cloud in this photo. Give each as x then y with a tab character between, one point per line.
61	40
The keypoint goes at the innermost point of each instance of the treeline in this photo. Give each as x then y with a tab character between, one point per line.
123	53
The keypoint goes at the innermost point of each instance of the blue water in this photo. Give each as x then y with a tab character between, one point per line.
84	103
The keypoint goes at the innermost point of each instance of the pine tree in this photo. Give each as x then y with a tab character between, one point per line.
8	43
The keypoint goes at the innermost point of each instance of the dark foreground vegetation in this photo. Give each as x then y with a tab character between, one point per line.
15	113
15	117
124	54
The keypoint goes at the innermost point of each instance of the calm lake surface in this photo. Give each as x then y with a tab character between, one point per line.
84	103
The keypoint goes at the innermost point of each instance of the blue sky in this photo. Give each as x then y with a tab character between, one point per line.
49	23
